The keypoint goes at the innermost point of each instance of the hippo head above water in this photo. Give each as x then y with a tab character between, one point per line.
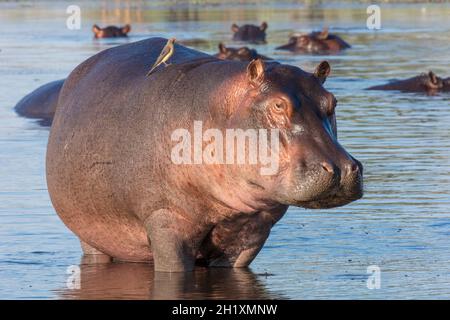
250	33
110	31
315	171
238	54
429	83
318	42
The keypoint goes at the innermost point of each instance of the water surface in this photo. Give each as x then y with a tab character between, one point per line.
401	225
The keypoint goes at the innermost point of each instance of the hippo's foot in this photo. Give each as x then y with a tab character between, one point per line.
92	255
174	240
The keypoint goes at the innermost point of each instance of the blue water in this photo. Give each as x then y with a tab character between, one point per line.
402	225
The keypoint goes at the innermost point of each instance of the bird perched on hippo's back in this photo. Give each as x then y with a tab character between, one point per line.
164	56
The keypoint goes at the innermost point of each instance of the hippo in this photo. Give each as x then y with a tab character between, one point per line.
318	42
239	54
250	33
41	103
113	159
111	31
428	83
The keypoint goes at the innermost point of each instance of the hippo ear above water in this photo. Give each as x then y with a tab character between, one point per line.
322	71
324	34
222	48
433	77
255	71
263	26
126	28
96	28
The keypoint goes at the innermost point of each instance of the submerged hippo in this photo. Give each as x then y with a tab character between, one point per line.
250	33
111	31
318	42
425	82
41	103
113	168
238	54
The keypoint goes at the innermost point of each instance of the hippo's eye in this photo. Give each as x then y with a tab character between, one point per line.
278	107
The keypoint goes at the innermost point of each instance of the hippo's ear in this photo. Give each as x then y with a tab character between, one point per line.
222	48
255	72
96	28
433	77
243	50
263	26
322	71
234	27
126	28
324	34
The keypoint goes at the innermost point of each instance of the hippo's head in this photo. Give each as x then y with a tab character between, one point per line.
430	82
446	84
238	54
110	31
314	42
304	43
250	33
314	170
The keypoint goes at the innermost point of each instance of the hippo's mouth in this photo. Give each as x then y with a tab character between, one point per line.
334	199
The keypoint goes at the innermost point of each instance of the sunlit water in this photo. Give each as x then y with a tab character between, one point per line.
401	225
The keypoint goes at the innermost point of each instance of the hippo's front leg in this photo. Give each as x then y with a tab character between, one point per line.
174	240
236	242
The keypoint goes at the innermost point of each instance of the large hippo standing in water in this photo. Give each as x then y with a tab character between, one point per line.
428	83
113	180
41	103
318	42
250	33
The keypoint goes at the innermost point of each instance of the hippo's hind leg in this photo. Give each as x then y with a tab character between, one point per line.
92	255
174	240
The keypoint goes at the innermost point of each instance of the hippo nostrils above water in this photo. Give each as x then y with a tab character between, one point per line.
119	180
238	54
319	42
41	103
250	33
426	82
110	31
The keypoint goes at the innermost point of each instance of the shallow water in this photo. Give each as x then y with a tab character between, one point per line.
401	225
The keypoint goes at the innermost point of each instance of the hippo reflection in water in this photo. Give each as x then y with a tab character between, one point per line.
238	54
318	42
428	83
111	31
111	280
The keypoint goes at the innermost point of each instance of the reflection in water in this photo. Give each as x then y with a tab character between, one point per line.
117	280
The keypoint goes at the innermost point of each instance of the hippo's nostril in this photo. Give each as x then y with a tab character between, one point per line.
328	167
351	167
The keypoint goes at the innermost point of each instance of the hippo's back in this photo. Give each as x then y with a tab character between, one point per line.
41	103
